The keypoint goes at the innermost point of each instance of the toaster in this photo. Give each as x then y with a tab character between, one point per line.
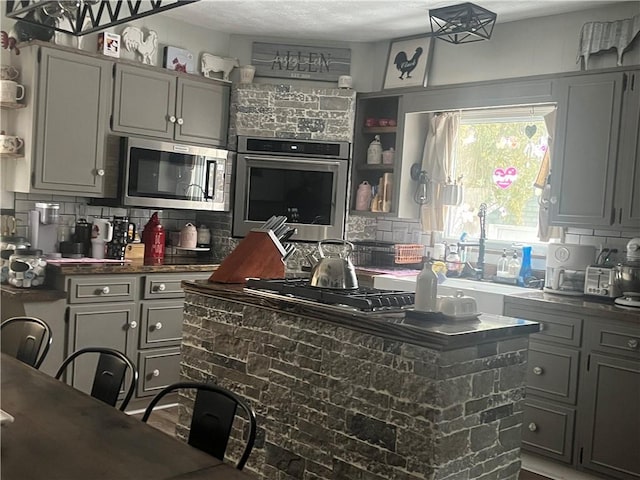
600	281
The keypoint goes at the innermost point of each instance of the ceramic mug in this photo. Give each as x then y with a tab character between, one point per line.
9	91
8	72
10	144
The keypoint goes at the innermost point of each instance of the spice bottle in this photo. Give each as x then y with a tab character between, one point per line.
426	288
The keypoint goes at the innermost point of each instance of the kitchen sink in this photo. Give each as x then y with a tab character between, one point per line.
489	296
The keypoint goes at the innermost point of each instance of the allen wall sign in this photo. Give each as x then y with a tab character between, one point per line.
299	61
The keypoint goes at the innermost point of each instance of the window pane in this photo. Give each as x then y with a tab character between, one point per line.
498	159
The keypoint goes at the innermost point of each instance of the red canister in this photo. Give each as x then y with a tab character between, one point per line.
153	237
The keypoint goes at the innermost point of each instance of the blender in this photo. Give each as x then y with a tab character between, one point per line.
628	277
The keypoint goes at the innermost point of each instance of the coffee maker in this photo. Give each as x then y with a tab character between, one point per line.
566	268
628	277
43	226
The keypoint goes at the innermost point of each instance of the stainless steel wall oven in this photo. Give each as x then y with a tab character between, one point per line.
305	180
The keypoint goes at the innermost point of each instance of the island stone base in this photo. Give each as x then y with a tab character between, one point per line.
334	403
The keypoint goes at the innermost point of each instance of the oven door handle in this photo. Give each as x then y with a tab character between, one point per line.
293	161
210	180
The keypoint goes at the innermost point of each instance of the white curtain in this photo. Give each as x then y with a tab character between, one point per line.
546	231
437	162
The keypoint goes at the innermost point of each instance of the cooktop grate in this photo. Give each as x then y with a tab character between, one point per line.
362	298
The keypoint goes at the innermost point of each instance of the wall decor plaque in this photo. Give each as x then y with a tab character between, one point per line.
300	61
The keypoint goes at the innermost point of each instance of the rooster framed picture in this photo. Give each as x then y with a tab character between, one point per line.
408	62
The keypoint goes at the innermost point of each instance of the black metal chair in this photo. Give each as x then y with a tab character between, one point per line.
110	374
32	335
214	410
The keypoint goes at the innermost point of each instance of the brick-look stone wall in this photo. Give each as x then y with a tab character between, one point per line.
284	111
332	403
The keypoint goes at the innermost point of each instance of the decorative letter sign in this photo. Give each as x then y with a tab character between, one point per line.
504	177
303	62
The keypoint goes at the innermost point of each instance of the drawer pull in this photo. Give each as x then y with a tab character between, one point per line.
161	288
541	327
633	343
133	324
533	427
538	370
105	290
156	373
158	326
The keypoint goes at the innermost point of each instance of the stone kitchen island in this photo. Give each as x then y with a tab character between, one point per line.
343	394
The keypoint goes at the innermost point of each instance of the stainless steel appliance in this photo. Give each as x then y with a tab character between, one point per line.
304	180
628	277
43	227
161	174
566	268
600	281
363	299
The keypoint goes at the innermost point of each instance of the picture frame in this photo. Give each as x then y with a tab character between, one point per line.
178	59
406	65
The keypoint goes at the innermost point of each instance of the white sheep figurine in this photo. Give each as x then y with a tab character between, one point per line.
598	36
212	63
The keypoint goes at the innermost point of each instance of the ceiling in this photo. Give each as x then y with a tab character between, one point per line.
349	20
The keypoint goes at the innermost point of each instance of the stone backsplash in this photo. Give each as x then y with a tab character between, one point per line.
334	404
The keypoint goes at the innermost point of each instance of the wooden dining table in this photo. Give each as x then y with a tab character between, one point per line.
60	433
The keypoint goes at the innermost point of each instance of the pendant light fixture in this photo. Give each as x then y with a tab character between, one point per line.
85	16
463	23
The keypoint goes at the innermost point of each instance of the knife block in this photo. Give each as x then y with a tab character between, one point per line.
258	255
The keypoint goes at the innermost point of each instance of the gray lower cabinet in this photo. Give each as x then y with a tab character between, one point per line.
582	404
552	381
164	105
112	325
610	409
139	315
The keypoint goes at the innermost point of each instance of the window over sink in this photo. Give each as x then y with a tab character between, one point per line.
501	158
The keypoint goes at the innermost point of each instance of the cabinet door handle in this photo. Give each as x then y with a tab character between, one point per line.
161	288
133	324
537	370
180	121
633	343
554	199
158	326
105	290
533	427
172	118
100	172
156	373
542	327
620	216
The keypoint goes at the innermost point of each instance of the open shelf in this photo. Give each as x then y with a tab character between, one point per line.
381	167
380	129
12	105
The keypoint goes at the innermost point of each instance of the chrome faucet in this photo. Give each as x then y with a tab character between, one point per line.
477	272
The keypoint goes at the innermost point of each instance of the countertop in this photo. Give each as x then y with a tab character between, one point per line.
437	334
576	305
46	294
169	265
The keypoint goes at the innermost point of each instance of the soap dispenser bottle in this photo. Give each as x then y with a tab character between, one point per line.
525	270
514	265
503	265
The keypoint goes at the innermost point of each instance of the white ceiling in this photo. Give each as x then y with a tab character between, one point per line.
350	20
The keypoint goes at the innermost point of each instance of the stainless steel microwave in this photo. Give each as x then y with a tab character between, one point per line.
158	174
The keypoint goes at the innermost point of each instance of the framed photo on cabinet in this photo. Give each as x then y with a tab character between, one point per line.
408	62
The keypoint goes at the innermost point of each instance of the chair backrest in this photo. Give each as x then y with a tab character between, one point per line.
109	376
32	334
214	411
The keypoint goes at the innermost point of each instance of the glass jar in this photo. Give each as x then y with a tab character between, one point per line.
27	268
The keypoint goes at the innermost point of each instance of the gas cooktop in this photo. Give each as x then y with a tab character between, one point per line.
363	298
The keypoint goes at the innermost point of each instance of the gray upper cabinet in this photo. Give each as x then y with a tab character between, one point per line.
163	105
73	99
594	177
